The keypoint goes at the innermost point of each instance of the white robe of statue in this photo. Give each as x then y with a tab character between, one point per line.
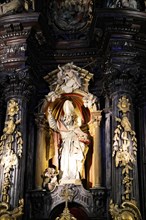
73	148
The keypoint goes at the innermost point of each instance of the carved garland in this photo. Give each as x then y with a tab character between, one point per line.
11	145
124	152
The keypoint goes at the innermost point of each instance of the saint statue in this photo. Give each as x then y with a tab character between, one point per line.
74	143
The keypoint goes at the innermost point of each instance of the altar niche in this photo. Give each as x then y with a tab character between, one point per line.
72	130
68	146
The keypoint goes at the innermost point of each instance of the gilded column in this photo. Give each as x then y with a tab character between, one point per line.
124	180
95	131
41	149
13	141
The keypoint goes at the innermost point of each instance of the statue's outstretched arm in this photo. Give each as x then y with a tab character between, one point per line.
51	120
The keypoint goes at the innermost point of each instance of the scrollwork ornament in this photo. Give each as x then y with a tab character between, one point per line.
5	214
11	145
127	211
124	152
125	146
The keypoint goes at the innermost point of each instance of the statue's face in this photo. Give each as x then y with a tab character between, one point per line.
68	119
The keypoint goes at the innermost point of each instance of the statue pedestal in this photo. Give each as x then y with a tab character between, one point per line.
41	204
70	181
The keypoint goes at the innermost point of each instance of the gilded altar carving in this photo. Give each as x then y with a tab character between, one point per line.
125	152
66	215
125	146
6	214
127	211
11	146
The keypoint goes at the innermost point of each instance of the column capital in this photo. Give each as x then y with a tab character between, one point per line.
120	78
18	84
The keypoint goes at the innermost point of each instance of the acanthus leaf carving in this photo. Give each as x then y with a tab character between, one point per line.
11	146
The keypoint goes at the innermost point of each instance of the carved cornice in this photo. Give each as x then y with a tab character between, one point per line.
14	31
120	24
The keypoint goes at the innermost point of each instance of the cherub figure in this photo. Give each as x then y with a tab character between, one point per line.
68	79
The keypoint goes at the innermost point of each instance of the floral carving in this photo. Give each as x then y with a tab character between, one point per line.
124	152
127	211
125	146
10	147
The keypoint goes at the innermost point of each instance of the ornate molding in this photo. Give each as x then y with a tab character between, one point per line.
125	147
93	201
78	195
128	211
66	215
16	213
99	201
120	78
14	28
11	147
70	16
125	155
18	84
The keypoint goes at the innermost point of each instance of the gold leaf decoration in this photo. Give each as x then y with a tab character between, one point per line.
66	215
11	146
127	211
124	152
124	146
14	214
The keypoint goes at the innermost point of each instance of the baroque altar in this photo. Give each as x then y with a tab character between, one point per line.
71	139
72	109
